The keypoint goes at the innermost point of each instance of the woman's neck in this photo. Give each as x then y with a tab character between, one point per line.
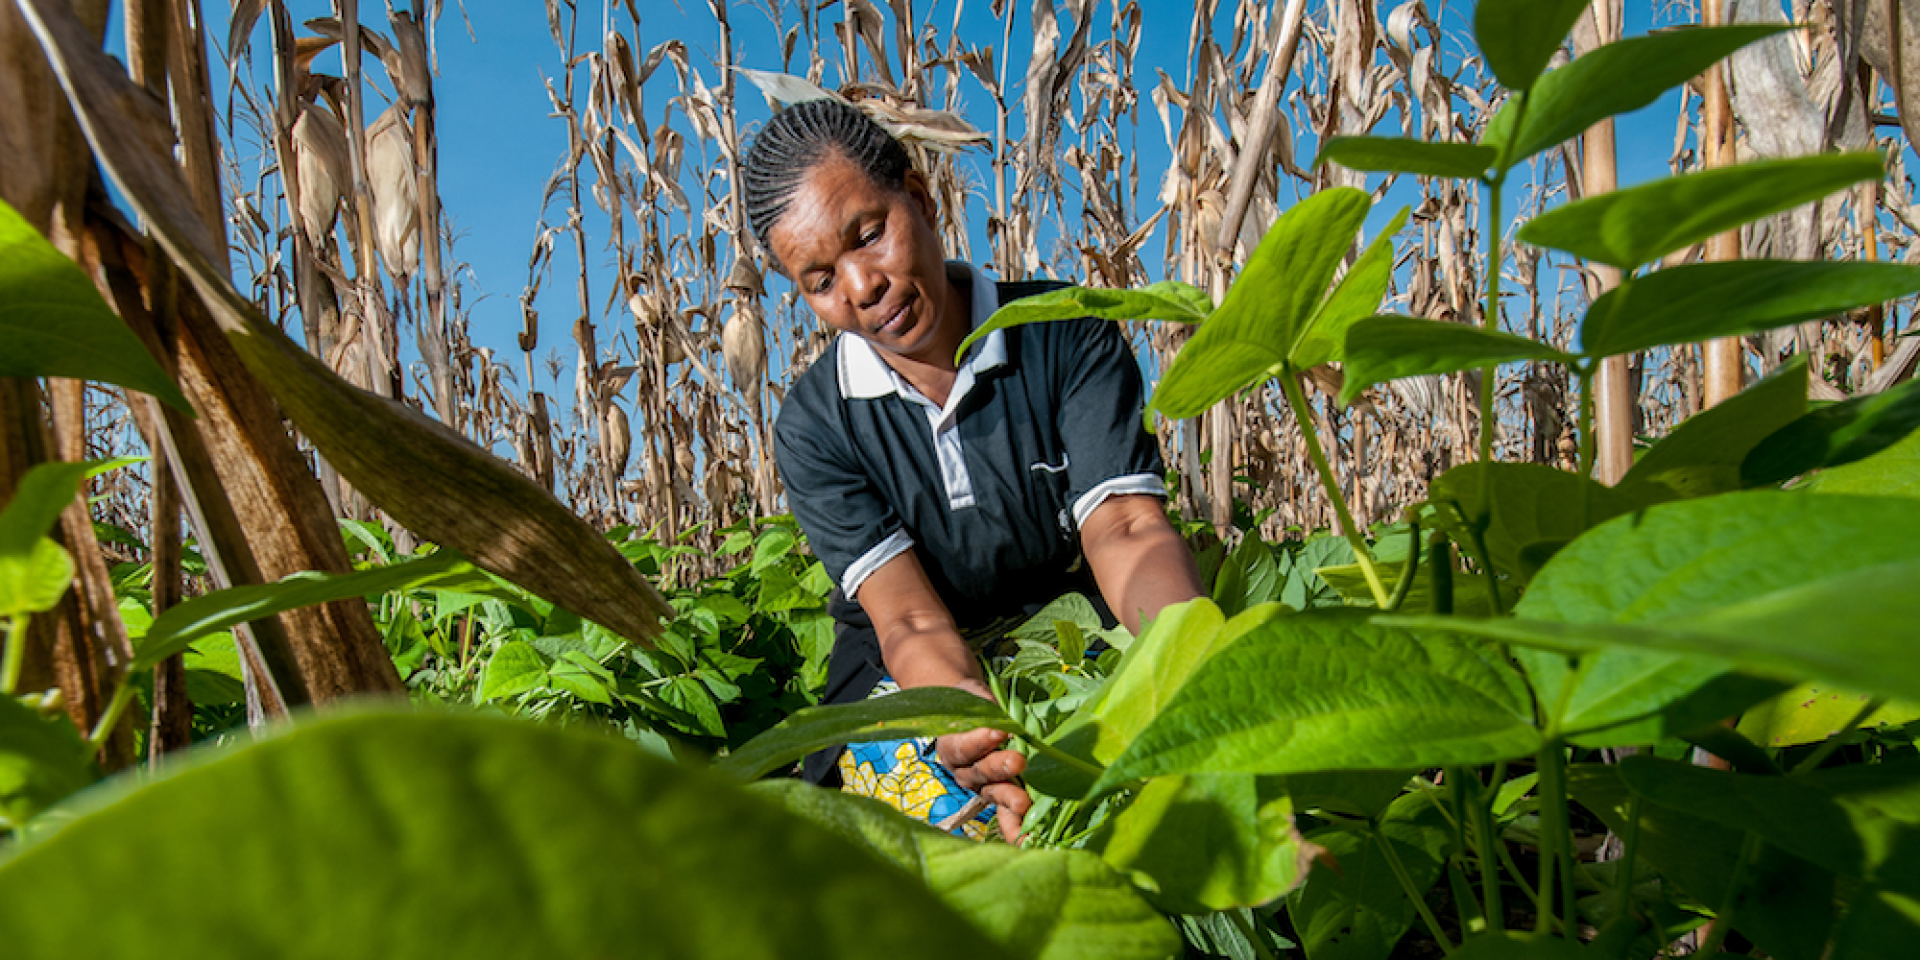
933	371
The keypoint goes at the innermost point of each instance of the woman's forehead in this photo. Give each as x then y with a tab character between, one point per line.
832	196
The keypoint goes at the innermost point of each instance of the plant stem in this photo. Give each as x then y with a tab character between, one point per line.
122	695
1247	929
1623	868
15	640
1290	383
1477	541
1409	569
1067	758
1552	808
1484	840
1490	320
1838	740
1723	917
1457	793
1406	884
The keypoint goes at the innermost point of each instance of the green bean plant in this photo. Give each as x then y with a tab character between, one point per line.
1405	758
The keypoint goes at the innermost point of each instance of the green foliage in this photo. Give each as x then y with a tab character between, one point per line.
1359	911
1209	841
42	760
1398	155
1168	300
919	712
1635	227
1708	453
1834	435
54	323
1702	301
1616	78
1392	348
481	837
1518	37
1330	691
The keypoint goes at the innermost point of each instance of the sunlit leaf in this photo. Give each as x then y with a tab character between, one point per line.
1810	713
1268	307
1524	504
1637	226
54	323
1389	348
457	836
1616	78
513	669
916	712
1167	300
1209	842
1519	37
1465	161
42	761
1326	690
1703	301
34	581
1894	471
182	624
1356	297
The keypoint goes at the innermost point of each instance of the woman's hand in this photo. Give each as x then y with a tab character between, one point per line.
980	765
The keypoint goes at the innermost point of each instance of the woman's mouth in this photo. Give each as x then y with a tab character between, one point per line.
896	321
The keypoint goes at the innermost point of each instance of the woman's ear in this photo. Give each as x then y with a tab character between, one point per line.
921	192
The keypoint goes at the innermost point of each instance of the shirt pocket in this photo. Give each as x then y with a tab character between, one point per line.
1048	476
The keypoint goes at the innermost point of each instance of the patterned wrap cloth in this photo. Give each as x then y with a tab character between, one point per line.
907	776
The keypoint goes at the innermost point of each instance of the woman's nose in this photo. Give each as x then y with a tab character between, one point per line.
865	284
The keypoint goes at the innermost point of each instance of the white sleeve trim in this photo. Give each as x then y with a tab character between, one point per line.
894	545
1151	484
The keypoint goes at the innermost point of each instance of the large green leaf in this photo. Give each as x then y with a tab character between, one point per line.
43	760
1810	713
1527	504
1356	297
1051	904
1744	578
1787	906
1518	37
1894	471
1167	300
54	323
1389	348
1702	301
1249	576
1464	161
1835	435
1616	78
1634	227
34	581
1326	690
1704	455
182	624
918	712
367	835
1209	841
1268	307
1359	910
513	669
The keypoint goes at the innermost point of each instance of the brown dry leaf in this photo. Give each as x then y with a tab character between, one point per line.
433	481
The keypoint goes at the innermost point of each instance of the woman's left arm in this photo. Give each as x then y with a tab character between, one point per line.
1139	561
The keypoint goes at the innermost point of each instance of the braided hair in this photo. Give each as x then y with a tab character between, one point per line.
797	139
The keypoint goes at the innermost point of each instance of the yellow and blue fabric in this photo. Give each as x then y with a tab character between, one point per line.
907	775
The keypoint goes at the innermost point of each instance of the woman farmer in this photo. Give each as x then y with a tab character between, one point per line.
948	500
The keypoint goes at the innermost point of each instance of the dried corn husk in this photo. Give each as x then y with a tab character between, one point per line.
743	341
396	206
619	439
320	152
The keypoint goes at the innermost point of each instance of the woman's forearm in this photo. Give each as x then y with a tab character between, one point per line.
1139	561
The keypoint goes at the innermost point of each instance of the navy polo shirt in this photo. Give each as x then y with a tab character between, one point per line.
1042	425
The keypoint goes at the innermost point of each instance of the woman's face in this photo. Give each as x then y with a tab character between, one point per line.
867	258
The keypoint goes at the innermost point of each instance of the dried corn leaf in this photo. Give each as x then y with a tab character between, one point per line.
429	478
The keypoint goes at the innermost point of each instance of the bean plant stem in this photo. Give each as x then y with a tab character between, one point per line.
1457	795
1838	740
1623	868
1490	320
1064	757
1290	382
1723	917
1409	569
122	696
1243	922
1553	807
1413	893
15	640
1484	838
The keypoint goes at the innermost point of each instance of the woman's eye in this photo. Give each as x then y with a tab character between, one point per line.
822	282
870	236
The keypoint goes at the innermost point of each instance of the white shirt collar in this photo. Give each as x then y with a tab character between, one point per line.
863	375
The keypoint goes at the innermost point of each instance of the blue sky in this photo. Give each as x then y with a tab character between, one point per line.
499	143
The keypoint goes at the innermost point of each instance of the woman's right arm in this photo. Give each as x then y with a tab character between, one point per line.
922	647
